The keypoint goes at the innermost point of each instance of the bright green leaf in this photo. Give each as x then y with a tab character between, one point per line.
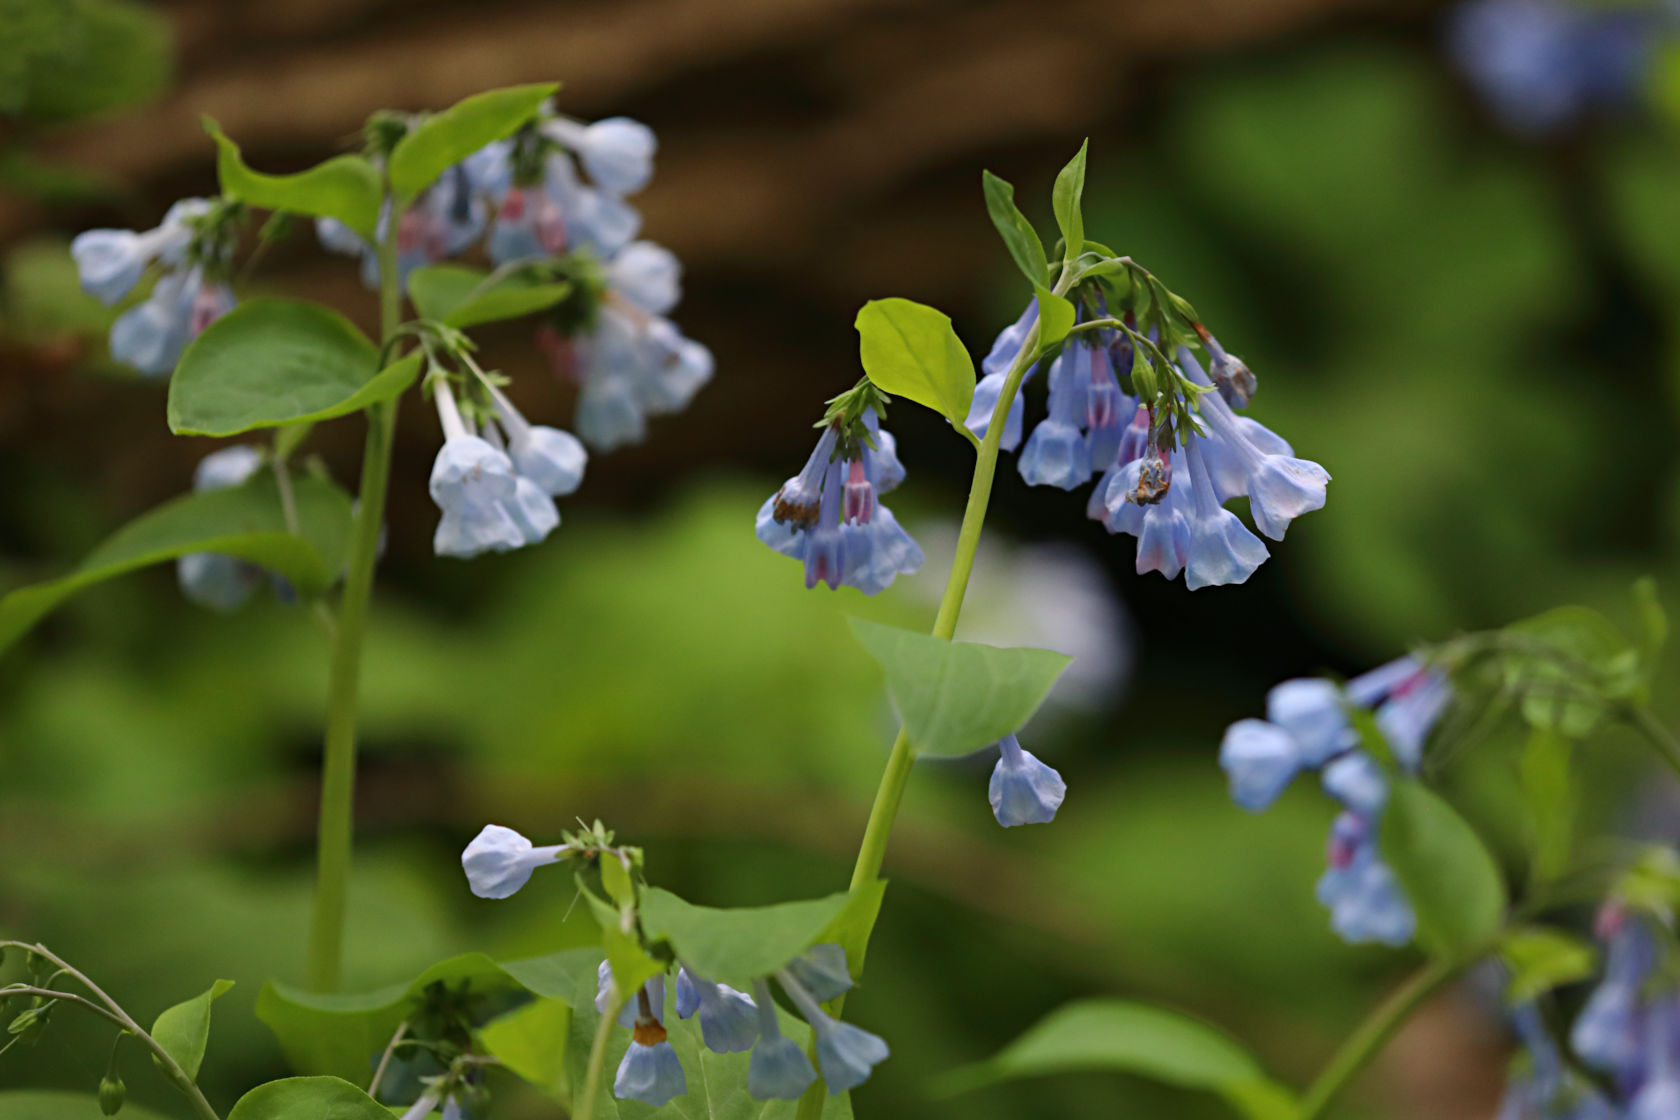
1101	1035
272	362
344	187
58	1104
184	1030
1055	318
1067	199
1540	958
531	1042
1445	871
631	966
956	697
244	521
1023	244
740	945
1550	793
909	350
308	1098
615	876
456	295
850	928
440	141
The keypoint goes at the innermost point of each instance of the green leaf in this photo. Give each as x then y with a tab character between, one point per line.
455	295
850	928
909	350
1579	662
631	966
740	945
244	521
338	1034
1540	958
440	141
184	1030
1018	237
1067	199
308	1098
956	697
344	187
1445	870
531	1042
58	1104
1055	319
1551	796
274	361
1101	1035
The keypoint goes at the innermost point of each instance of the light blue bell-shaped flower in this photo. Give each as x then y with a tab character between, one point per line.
984	403
822	971
151	335
1362	894
498	861
785	537
1006	347
1281	489
1608	1033
1163	529
1222	550
674	368
1659	1097
655	989
1260	759
1410	713
597	220
646	274
109	262
879	552
1056	455
422	1107
650	1073
779	1069
532	511
617	151
845	1054
227	467
221	583
1312	711
1023	790
608	414
825	545
886	471
1357	782
728	1018
473	532
468	471
1371	688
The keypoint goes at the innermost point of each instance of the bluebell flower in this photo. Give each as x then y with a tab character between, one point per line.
779	1069
671	370
423	1106
110	262
1609	1033
822	971
647	275
1541	1087
728	1018
1023	790
1142	500
1314	713
650	1072
1364	898
616	152
846	1054
1229	374
1261	759
472	483
632	364
995	369
151	335
1222	550
212	579
552	459
1658	1097
1357	782
1056	453
499	861
655	989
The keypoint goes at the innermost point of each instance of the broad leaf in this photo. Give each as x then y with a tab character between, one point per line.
457	296
308	1098
1018	237
740	945
1067	200
184	1030
1124	1037
344	187
59	1104
272	362
1055	319
441	140
909	350
1540	958
1445	870
243	521
531	1042
956	697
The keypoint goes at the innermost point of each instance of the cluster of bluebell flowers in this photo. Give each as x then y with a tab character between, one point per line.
499	861
830	517
1307	727
192	250
1167	489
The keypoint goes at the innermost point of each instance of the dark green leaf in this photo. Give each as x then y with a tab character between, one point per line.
740	945
57	1104
1540	958
308	1098
440	141
273	362
1055	319
1121	1036
344	187
909	350
1445	870
244	521
184	1030
456	295
956	697
1067	199
1023	244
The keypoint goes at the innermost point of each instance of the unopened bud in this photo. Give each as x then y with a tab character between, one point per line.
112	1093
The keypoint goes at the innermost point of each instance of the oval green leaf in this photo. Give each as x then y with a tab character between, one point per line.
1540	958
740	945
344	187
245	521
1102	1035
1055	319
308	1098
457	296
440	141
910	350
1067	199
1023	244
1449	876
956	697
184	1030
275	361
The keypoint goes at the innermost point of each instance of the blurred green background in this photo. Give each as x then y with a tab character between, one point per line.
1474	332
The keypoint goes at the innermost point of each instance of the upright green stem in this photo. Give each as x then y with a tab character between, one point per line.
1368	1039
338	769
585	1107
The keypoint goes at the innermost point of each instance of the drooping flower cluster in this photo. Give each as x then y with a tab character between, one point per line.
830	517
192	248
1543	65
1169	493
525	198
499	861
1307	728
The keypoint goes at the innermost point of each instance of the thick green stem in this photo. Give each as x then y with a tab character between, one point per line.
1368	1039
335	830
584	1108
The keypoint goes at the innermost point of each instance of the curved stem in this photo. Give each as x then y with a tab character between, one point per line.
1368	1039
335	831
585	1106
